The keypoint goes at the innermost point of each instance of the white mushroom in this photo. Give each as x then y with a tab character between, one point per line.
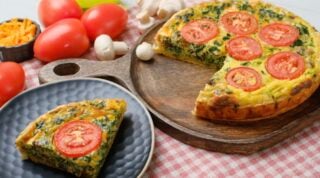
103	47
106	49
120	47
144	17
145	51
169	7
151	6
145	20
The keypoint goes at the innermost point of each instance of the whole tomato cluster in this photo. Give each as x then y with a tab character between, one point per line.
69	30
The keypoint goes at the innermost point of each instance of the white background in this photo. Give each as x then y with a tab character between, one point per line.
308	9
27	8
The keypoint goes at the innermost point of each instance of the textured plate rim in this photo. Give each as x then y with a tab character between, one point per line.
144	169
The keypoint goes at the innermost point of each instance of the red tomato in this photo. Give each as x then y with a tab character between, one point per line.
12	80
51	11
200	31
110	19
244	48
285	65
64	39
278	34
244	78
240	23
77	138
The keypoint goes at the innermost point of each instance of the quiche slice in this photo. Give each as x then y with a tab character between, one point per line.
75	137
268	58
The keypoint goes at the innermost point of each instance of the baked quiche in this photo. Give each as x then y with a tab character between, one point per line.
268	57
75	137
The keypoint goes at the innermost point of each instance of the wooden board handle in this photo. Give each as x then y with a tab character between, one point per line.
77	67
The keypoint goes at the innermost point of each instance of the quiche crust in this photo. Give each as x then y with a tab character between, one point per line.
227	108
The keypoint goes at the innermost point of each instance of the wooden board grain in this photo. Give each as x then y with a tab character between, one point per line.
169	89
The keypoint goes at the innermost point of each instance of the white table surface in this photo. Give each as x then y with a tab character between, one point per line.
28	8
308	9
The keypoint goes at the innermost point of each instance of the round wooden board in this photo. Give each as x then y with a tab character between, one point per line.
169	89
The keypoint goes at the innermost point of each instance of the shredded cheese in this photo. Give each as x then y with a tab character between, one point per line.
16	32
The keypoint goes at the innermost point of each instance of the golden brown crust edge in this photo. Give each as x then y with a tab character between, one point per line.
228	112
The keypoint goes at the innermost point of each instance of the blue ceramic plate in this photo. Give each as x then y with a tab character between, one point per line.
129	155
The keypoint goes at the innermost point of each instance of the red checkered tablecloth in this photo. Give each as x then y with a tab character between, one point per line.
298	156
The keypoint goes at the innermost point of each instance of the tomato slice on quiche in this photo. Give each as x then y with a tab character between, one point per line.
244	48
285	65
279	34
244	78
77	138
240	23
199	31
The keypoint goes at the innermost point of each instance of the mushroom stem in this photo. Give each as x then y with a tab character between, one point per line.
169	7
143	17
151	6
145	21
120	47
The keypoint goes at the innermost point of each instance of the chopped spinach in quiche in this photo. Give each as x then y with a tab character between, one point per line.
75	137
268	57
